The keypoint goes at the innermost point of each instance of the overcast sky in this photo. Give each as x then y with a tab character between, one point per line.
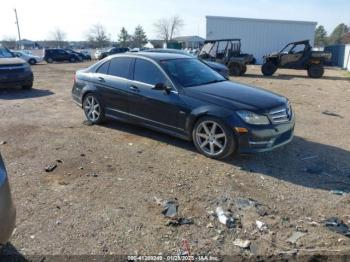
39	17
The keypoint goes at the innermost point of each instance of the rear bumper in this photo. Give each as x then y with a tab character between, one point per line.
7	213
263	140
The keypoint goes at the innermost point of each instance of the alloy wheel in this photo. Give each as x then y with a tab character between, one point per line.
211	138
92	108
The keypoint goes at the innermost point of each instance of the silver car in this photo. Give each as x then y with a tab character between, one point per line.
7	208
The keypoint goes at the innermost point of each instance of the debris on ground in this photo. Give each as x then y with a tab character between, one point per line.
87	123
246	203
50	168
226	218
337	225
242	243
329	113
92	175
179	222
3	142
170	208
261	225
59	161
295	237
338	192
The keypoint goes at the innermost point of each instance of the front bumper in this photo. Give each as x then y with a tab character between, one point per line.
7	213
16	79
259	139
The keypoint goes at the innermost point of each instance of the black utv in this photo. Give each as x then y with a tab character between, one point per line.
227	52
297	55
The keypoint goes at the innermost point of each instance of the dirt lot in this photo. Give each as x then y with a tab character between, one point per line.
102	197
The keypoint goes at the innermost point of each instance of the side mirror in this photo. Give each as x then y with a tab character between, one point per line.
162	86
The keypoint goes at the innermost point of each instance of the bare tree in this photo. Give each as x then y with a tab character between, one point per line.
58	36
9	42
98	36
176	24
167	28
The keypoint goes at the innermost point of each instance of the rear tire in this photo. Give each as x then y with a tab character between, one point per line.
93	109
49	60
72	60
243	70
235	69
315	71
268	69
213	138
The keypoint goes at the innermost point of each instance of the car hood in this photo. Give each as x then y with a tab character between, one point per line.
215	65
11	61
236	96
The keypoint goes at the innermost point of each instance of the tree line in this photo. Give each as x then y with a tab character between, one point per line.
98	37
340	35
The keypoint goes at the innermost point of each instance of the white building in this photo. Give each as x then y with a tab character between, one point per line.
260	36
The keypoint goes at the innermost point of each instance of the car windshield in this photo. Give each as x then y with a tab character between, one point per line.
191	72
4	53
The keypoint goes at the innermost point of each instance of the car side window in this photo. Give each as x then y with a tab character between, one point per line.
147	72
103	69
120	67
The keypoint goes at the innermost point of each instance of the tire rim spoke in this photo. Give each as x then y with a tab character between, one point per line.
92	108
211	137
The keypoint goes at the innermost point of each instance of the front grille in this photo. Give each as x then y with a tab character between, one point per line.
280	115
9	69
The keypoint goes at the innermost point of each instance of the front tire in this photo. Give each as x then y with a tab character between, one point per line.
49	60
32	61
72	60
268	69
93	109
213	138
315	71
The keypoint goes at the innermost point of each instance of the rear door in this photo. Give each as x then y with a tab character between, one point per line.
152	106
112	79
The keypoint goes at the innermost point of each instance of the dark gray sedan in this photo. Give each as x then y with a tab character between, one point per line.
7	208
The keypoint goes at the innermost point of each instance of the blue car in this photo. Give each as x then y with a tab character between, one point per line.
184	97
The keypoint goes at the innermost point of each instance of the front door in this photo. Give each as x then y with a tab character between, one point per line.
294	58
155	107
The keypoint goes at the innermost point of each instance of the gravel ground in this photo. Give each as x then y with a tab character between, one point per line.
104	196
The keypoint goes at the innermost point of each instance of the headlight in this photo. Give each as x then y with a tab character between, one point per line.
252	118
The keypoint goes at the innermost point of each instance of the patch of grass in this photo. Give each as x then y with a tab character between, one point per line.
347	74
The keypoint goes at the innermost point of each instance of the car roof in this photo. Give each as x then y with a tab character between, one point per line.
153	55
301	42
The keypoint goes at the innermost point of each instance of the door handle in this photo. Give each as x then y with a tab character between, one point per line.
101	79
134	88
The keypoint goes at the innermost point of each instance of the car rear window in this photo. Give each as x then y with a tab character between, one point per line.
147	72
103	69
120	67
4	53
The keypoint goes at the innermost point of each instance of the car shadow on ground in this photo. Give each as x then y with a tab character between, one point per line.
302	162
18	93
10	253
290	77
